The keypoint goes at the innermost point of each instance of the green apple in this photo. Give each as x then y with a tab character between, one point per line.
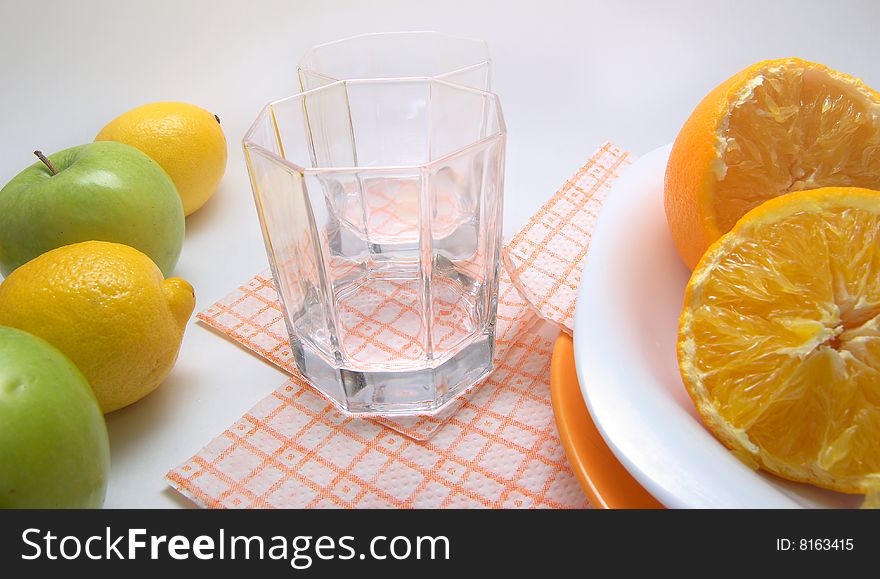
54	451
102	191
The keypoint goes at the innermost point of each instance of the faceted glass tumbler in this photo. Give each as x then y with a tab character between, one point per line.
380	203
397	55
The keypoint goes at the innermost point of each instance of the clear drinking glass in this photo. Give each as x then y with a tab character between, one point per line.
380	202
397	55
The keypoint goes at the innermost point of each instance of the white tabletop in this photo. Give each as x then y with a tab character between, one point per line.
571	75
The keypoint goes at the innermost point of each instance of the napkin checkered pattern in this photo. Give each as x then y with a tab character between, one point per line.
496	446
545	259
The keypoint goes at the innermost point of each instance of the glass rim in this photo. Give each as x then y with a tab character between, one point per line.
484	48
248	143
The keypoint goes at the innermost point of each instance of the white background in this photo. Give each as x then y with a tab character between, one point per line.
571	75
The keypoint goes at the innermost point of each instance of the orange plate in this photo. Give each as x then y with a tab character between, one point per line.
605	481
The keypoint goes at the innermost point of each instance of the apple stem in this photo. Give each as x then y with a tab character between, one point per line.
218	119
46	161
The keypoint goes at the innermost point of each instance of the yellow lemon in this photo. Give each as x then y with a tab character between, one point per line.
108	308
183	139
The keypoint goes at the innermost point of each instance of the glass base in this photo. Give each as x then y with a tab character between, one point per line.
425	391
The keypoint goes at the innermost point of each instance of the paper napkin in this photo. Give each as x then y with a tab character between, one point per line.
496	446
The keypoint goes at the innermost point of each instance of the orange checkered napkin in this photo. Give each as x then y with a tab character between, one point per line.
252	316
497	446
545	258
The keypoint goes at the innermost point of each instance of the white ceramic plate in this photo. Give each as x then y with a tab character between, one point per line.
625	333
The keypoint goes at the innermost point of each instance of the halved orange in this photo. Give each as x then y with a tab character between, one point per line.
776	127
779	338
